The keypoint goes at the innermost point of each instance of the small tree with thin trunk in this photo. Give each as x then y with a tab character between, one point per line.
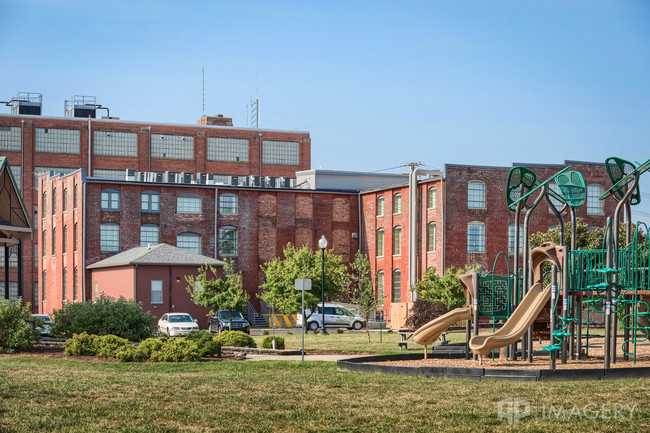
361	291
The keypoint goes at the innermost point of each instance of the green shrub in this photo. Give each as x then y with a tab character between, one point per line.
128	354
265	332
108	344
81	345
267	342
209	345
236	339
123	318
148	346
177	351
15	331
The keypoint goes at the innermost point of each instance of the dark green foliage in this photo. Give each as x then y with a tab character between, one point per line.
236	339
129	354
108	344
445	288
123	318
82	344
267	342
15	331
424	311
209	345
217	293
174	350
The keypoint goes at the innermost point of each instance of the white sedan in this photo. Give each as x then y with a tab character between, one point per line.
177	324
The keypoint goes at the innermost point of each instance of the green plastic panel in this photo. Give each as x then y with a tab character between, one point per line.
617	169
501	287
517	177
573	188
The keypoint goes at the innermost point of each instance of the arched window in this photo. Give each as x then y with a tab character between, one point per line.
64	285
380	288
594	205
397	286
432	198
109	237
149	234
190	242
228	241
431	237
150	201
188	203
229	204
397	241
53	201
380	205
380	243
64	201
110	199
476	237
476	195
397	203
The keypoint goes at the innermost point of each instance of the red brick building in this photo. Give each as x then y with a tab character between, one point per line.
462	218
84	220
106	147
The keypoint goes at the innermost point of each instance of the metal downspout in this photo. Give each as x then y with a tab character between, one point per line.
83	246
216	189
90	173
22	158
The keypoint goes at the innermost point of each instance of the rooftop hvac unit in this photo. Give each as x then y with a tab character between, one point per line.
157	177
169	177
186	177
243	181
141	176
284	182
81	106
234	180
253	180
130	174
27	103
292	182
269	181
201	178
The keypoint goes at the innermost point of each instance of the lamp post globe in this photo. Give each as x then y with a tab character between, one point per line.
322	243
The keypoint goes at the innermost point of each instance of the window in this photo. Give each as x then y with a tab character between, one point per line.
74	199
229	204
380	288
511	238
35	292
380	205
64	250
64	285
227	149
476	237
172	146
397	286
10	138
75	284
149	234
280	152
36	256
557	204
44	200
190	242
44	242
13	256
54	201
380	243
432	198
15	172
95	290
150	201
44	280
109	237
75	238
397	204
188	203
156	292
431	237
56	140
53	241
35	217
110	199
476	195
397	241
228	241
594	205
105	173
115	143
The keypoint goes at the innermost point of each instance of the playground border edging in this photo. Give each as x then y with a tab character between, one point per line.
365	364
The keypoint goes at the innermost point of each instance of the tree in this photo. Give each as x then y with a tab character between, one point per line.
586	239
361	288
223	293
279	285
444	288
15	330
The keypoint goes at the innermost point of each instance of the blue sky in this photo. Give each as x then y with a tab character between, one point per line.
377	83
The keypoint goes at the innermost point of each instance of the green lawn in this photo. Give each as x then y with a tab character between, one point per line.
65	395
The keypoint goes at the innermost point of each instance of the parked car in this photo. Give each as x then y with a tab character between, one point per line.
336	316
222	322
177	324
46	323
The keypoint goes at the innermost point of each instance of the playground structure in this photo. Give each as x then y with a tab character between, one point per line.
612	280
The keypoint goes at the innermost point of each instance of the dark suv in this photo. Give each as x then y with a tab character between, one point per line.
222	322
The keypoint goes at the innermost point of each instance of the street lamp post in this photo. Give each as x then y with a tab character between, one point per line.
322	243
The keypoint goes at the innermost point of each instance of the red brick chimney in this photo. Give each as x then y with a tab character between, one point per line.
217	119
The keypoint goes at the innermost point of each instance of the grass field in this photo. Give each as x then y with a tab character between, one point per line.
60	395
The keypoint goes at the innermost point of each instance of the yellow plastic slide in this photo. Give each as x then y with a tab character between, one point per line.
522	318
429	333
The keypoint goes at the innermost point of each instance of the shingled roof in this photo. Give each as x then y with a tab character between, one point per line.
159	254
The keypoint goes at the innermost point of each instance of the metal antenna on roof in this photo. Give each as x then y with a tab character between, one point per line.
203	88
